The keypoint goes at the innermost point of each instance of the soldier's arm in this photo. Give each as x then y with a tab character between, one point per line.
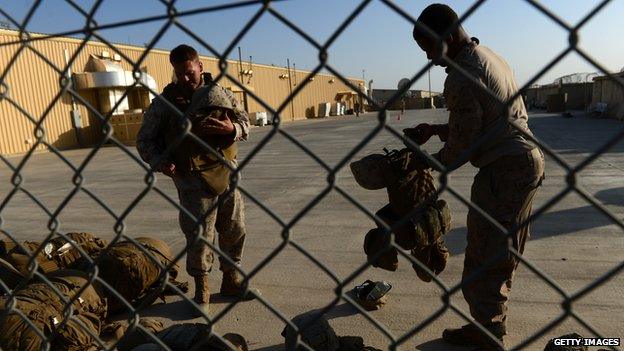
464	127
149	139
241	120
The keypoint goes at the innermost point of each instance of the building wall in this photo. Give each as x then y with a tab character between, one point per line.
419	99
579	95
383	95
33	84
607	91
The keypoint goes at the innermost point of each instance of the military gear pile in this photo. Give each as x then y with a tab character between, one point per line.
40	313
44	308
134	274
408	185
56	254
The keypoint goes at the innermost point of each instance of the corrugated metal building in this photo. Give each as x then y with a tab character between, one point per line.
33	84
577	96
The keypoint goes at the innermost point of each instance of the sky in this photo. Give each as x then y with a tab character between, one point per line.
377	45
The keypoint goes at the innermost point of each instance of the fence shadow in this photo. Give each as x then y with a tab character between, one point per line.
553	223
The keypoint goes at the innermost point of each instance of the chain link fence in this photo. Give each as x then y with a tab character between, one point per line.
171	15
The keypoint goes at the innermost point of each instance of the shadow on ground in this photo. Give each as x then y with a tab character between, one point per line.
181	310
553	223
440	345
595	135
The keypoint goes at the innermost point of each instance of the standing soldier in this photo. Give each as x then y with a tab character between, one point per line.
201	179
511	167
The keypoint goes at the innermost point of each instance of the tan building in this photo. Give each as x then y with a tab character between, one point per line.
31	90
608	97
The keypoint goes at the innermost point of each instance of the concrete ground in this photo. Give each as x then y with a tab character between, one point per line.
572	243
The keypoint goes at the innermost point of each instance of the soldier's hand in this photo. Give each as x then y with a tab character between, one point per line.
167	169
219	124
212	125
442	130
420	134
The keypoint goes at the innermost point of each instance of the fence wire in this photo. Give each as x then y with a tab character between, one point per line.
171	16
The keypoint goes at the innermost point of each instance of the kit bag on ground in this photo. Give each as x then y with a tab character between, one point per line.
56	253
38	310
136	273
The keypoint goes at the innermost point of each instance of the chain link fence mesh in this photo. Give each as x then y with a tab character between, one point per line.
171	15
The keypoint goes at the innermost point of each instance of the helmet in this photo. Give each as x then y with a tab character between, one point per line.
211	101
376	240
372	172
210	96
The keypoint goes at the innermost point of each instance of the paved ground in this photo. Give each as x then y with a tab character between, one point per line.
572	243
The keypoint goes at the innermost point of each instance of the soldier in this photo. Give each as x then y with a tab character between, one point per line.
201	179
511	166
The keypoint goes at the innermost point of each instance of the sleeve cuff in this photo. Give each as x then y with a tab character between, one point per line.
238	131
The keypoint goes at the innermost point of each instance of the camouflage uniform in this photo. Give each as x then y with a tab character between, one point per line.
511	168
194	193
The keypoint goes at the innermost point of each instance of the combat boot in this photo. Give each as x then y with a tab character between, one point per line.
202	291
232	285
470	335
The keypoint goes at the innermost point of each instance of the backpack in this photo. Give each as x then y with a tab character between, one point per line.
42	307
56	254
135	274
409	187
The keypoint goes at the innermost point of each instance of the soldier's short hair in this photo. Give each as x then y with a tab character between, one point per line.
439	18
183	53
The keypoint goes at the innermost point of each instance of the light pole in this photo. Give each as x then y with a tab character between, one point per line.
430	98
429	74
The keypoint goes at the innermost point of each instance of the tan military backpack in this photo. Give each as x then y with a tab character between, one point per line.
133	271
56	254
38	315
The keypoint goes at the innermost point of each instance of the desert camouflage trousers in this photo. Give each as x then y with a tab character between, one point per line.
227	218
505	190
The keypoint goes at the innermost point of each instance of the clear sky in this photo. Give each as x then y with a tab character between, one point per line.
379	41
